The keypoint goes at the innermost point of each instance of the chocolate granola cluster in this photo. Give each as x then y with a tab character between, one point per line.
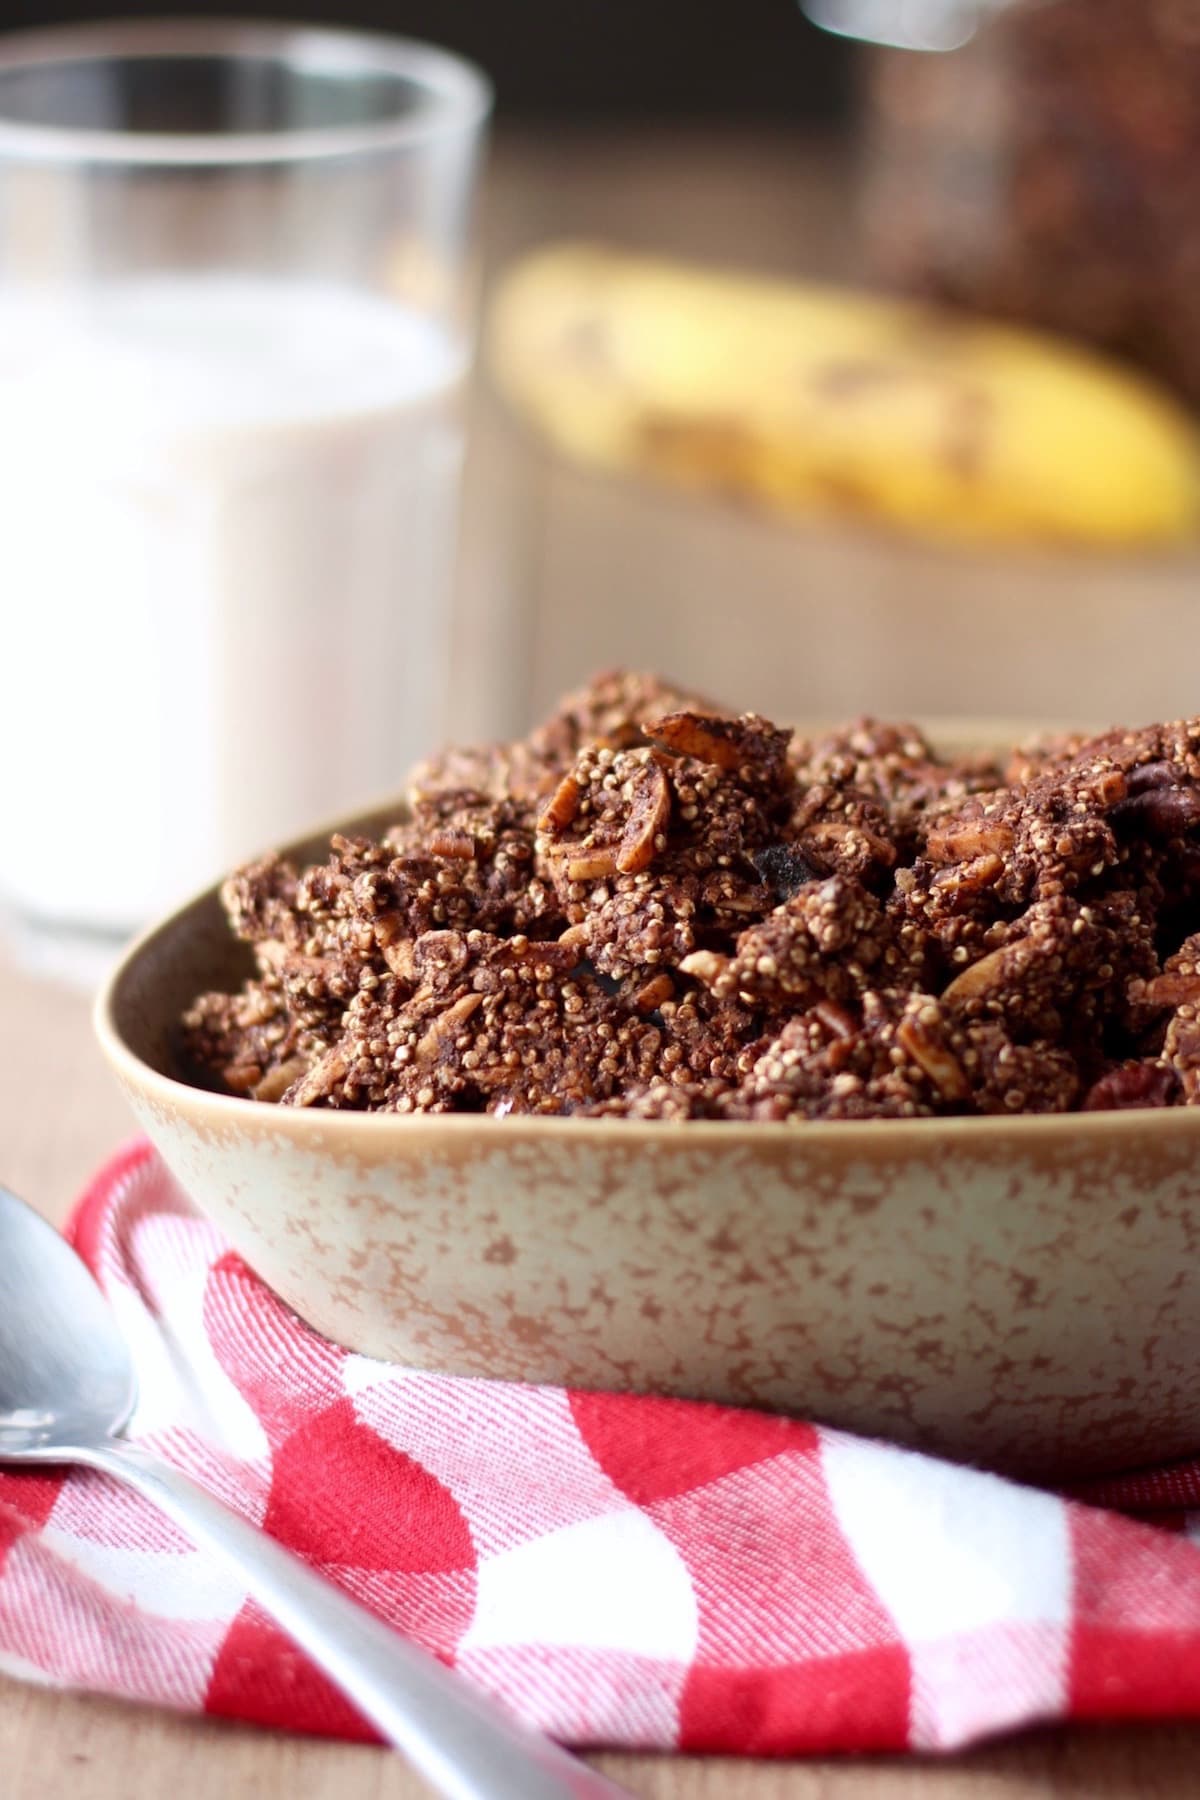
651	909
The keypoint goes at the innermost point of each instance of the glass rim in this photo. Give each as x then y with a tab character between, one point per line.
461	93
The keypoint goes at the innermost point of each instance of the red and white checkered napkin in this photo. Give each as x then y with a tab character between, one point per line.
641	1572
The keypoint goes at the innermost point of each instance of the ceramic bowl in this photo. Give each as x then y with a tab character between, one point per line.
1020	1292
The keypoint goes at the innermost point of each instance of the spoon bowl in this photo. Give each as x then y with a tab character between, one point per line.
66	1377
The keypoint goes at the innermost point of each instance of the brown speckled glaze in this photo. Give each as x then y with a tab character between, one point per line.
1019	1292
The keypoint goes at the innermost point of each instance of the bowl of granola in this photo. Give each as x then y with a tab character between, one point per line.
851	1073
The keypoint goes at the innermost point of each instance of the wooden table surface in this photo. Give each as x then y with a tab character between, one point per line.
59	1114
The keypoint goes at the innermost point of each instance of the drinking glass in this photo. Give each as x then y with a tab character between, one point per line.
236	305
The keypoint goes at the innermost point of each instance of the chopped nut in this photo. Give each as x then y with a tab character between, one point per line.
975	837
276	1082
459	846
942	1068
969	878
1173	990
704	965
658	989
725	743
562	805
835	1018
689	734
979	978
590	865
445	1026
321	1079
242	1077
648	817
399	958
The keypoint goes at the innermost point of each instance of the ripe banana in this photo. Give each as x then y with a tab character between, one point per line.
807	399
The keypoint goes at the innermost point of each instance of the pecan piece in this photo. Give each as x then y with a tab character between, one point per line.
968	839
836	1020
590	865
962	881
276	1082
656	990
724	743
940	1064
585	862
389	928
980	978
321	1079
398	955
562	805
455	846
242	1077
648	815
1171	988
444	1027
704	965
1109	787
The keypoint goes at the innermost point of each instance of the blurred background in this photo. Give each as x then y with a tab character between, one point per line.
1043	171
802	497
564	62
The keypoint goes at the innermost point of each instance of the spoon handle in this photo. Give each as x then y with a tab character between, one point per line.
461	1742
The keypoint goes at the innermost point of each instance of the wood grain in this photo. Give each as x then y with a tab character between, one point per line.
87	1749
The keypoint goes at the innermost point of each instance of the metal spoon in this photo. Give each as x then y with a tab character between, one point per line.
67	1387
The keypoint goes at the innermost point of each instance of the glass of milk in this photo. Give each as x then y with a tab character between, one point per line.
235	321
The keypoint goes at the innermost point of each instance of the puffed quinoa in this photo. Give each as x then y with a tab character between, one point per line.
654	909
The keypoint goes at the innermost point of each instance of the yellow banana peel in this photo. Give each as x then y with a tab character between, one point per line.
808	399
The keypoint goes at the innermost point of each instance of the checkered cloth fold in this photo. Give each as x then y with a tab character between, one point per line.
616	1570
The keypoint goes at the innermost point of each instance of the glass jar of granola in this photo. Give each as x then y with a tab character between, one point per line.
1040	160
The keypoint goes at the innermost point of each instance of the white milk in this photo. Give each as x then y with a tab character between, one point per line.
226	521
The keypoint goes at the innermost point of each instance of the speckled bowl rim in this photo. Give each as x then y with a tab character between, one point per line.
228	1113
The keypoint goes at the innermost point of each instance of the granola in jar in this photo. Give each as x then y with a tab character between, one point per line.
1048	171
